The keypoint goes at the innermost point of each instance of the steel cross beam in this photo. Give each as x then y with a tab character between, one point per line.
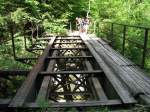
4	73
65	76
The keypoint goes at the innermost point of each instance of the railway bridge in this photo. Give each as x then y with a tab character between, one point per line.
78	71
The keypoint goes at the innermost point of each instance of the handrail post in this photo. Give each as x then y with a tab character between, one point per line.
12	38
145	47
98	29
112	34
25	40
94	27
32	33
124	39
37	33
70	27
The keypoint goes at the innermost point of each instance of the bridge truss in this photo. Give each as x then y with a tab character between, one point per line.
69	73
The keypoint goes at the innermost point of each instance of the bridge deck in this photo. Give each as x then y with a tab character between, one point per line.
78	71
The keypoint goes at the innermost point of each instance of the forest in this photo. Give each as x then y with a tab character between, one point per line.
112	20
55	17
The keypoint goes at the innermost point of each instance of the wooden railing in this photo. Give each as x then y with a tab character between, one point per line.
111	36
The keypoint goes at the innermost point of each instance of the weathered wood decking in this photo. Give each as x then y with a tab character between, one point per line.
136	80
79	71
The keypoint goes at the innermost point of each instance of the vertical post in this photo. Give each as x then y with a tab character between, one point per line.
76	26
70	27
25	40
124	38
12	38
98	29
112	34
37	33
94	26
145	48
89	9
32	31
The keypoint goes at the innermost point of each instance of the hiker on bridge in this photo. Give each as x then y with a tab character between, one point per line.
78	23
85	23
82	24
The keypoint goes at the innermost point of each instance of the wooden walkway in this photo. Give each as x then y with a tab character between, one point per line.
79	71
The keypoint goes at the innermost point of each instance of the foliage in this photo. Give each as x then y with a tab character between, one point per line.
130	12
6	55
54	16
19	15
43	12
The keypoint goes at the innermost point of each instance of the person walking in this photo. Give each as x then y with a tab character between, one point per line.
86	23
78	23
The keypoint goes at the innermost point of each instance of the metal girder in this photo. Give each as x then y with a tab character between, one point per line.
72	72
25	91
13	72
67	74
78	104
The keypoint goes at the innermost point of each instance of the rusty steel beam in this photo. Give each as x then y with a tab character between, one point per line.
77	104
31	49
69	39
70	57
48	73
68	43
72	72
25	91
69	48
13	72
70	93
58	37
55	57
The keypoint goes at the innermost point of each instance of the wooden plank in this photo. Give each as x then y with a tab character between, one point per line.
44	90
118	86
134	81
87	63
4	103
98	88
78	104
26	89
127	98
132	76
45	86
106	40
